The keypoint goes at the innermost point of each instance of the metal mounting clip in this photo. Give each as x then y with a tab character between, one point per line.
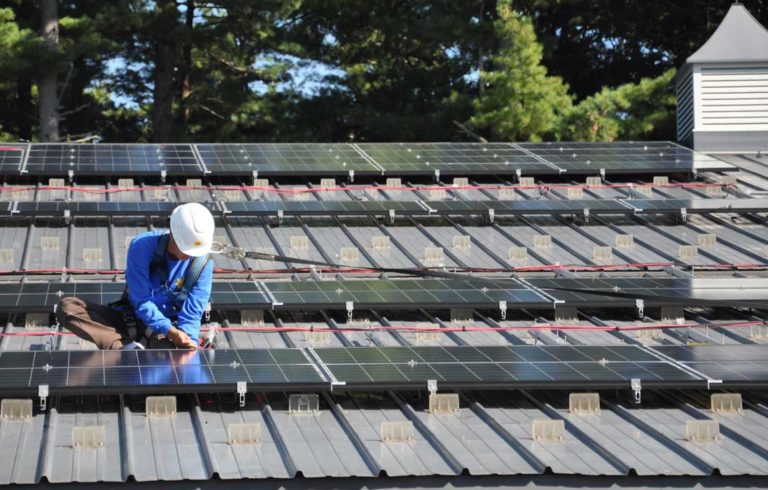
491	215
640	305
67	216
586	215
42	392
280	216
351	175
432	386
637	388
437	175
242	388
503	309
391	216
163	175
350	307
683	215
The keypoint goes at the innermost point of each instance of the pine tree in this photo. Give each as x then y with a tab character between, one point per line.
519	101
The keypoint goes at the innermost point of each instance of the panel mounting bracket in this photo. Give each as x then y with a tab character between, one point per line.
432	386
640	305
711	382
71	175
42	392
391	216
67	216
255	174
242	388
280	216
637	389
350	308
351	175
163	175
491	215
518	174
586	215
602	174
683	215
437	175
503	309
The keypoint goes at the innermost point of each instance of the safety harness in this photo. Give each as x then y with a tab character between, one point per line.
135	328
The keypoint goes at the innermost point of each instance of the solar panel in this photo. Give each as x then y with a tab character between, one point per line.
180	371
455	158
708	291
362	159
284	159
157	371
11	157
400	294
592	207
499	367
107	159
382	368
423	293
734	366
625	157
42	297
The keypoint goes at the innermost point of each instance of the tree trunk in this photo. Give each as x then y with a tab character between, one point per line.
48	100
185	86
162	109
24	107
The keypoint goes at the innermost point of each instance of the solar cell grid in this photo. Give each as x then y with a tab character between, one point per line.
454	158
11	157
488	366
278	158
101	159
624	157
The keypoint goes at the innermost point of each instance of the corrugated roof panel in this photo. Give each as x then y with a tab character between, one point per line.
259	460
64	463
571	456
21	440
164	448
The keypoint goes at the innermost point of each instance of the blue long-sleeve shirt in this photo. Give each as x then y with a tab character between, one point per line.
152	300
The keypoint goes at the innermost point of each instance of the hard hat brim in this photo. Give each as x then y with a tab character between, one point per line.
195	251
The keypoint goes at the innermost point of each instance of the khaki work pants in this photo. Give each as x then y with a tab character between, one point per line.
101	325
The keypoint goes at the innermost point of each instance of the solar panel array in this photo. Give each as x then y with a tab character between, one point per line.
378	368
268	159
592	207
422	293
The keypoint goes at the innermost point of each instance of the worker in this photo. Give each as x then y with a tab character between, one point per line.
168	277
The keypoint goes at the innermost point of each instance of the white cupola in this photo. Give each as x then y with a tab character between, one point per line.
722	90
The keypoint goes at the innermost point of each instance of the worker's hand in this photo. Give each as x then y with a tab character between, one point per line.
180	339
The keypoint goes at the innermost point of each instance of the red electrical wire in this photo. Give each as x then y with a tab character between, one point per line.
11	148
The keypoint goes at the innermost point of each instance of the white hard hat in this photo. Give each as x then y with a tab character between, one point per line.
192	229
